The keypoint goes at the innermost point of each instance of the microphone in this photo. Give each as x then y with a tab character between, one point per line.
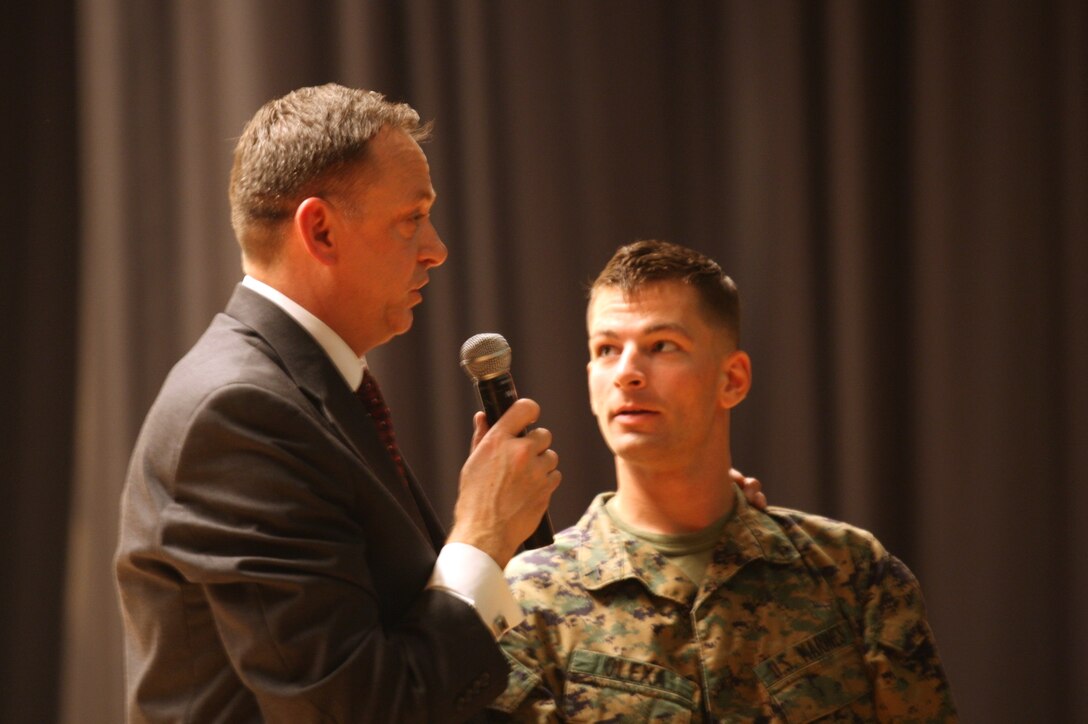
485	358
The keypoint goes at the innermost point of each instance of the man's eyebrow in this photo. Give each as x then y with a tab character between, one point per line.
667	327
420	197
652	329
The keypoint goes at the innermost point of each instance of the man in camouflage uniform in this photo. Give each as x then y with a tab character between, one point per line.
674	600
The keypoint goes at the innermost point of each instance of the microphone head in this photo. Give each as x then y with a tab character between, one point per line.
484	356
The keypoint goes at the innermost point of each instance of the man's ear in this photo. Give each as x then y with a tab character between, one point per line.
313	226
736	378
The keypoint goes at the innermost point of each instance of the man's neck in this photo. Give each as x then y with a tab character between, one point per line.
342	356
674	501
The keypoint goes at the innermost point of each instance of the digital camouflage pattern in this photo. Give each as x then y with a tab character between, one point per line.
799	619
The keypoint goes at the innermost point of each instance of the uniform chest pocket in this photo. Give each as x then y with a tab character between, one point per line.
823	678
602	687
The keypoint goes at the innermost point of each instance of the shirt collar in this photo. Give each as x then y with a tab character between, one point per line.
350	365
614	555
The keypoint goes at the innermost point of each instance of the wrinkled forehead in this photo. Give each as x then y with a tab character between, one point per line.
396	170
613	310
663	298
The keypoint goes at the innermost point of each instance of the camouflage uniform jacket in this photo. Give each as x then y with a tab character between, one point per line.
799	619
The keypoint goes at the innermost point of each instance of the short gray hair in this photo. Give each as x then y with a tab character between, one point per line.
310	142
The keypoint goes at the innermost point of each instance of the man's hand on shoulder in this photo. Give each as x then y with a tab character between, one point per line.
751	487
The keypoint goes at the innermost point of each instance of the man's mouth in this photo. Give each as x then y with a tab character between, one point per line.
631	413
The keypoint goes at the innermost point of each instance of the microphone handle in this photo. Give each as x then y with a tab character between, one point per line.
544	534
496	395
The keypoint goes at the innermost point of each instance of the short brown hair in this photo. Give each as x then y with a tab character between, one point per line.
650	261
309	142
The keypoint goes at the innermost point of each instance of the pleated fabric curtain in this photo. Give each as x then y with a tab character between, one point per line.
898	189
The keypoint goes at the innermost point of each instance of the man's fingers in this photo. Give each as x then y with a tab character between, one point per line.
540	437
479	429
550	459
522	414
751	487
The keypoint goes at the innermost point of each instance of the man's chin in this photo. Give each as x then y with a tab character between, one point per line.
394	327
631	446
401	323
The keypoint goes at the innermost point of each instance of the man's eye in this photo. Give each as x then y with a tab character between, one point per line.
410	224
664	346
604	350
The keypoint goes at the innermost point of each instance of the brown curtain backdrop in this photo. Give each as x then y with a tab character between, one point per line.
38	280
900	189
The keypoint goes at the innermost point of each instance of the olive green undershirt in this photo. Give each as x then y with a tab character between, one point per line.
690	552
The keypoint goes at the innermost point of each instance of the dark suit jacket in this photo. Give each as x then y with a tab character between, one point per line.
271	563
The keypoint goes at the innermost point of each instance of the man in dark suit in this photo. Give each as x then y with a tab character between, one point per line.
277	559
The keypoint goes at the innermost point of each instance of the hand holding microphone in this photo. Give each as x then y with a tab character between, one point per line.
486	360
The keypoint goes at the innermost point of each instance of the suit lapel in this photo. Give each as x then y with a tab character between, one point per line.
433	526
312	370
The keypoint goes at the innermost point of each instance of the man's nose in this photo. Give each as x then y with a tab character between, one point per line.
432	251
629	372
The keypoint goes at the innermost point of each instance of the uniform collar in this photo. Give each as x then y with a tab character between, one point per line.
613	555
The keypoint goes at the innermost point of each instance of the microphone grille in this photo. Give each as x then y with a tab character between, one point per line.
486	355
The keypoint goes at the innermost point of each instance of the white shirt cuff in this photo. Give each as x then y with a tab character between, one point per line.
475	578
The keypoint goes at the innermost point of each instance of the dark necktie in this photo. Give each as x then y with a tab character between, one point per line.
371	395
